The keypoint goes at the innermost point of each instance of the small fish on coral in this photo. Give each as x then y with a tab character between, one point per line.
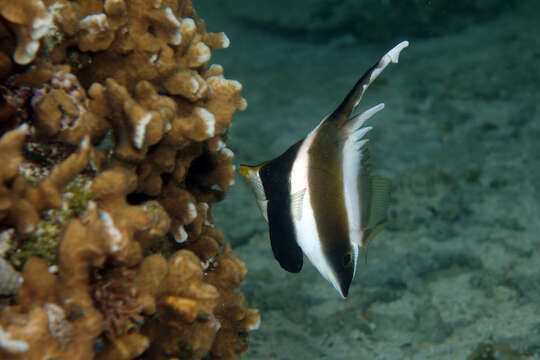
319	197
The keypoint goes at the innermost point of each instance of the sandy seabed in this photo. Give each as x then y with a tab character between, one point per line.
457	274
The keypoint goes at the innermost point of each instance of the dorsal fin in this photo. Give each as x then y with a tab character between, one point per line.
366	165
355	123
344	110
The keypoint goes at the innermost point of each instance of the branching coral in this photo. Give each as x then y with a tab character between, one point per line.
30	21
185	302
231	311
112	148
62	110
201	310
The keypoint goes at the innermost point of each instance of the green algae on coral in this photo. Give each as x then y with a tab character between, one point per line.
44	241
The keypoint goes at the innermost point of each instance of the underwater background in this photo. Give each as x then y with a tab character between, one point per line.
122	124
456	274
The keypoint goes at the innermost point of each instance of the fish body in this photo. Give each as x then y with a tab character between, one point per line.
319	197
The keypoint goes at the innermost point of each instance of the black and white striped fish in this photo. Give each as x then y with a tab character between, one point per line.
319	197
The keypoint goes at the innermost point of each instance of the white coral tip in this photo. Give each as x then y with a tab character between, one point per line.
225	42
85	143
140	130
11	346
181	235
171	17
208	119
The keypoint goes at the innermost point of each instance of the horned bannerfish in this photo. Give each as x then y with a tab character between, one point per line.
319	197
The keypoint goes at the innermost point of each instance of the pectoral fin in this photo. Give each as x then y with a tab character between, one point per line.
297	202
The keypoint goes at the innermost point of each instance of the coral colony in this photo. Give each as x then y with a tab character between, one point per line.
112	129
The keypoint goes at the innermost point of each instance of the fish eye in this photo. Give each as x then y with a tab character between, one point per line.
346	259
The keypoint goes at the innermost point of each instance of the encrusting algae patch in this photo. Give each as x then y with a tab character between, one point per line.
112	152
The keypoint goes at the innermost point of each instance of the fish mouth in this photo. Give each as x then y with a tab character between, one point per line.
244	170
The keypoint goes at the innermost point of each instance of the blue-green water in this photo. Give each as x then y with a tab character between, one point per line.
459	267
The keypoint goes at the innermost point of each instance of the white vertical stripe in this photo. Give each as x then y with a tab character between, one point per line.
352	161
305	228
